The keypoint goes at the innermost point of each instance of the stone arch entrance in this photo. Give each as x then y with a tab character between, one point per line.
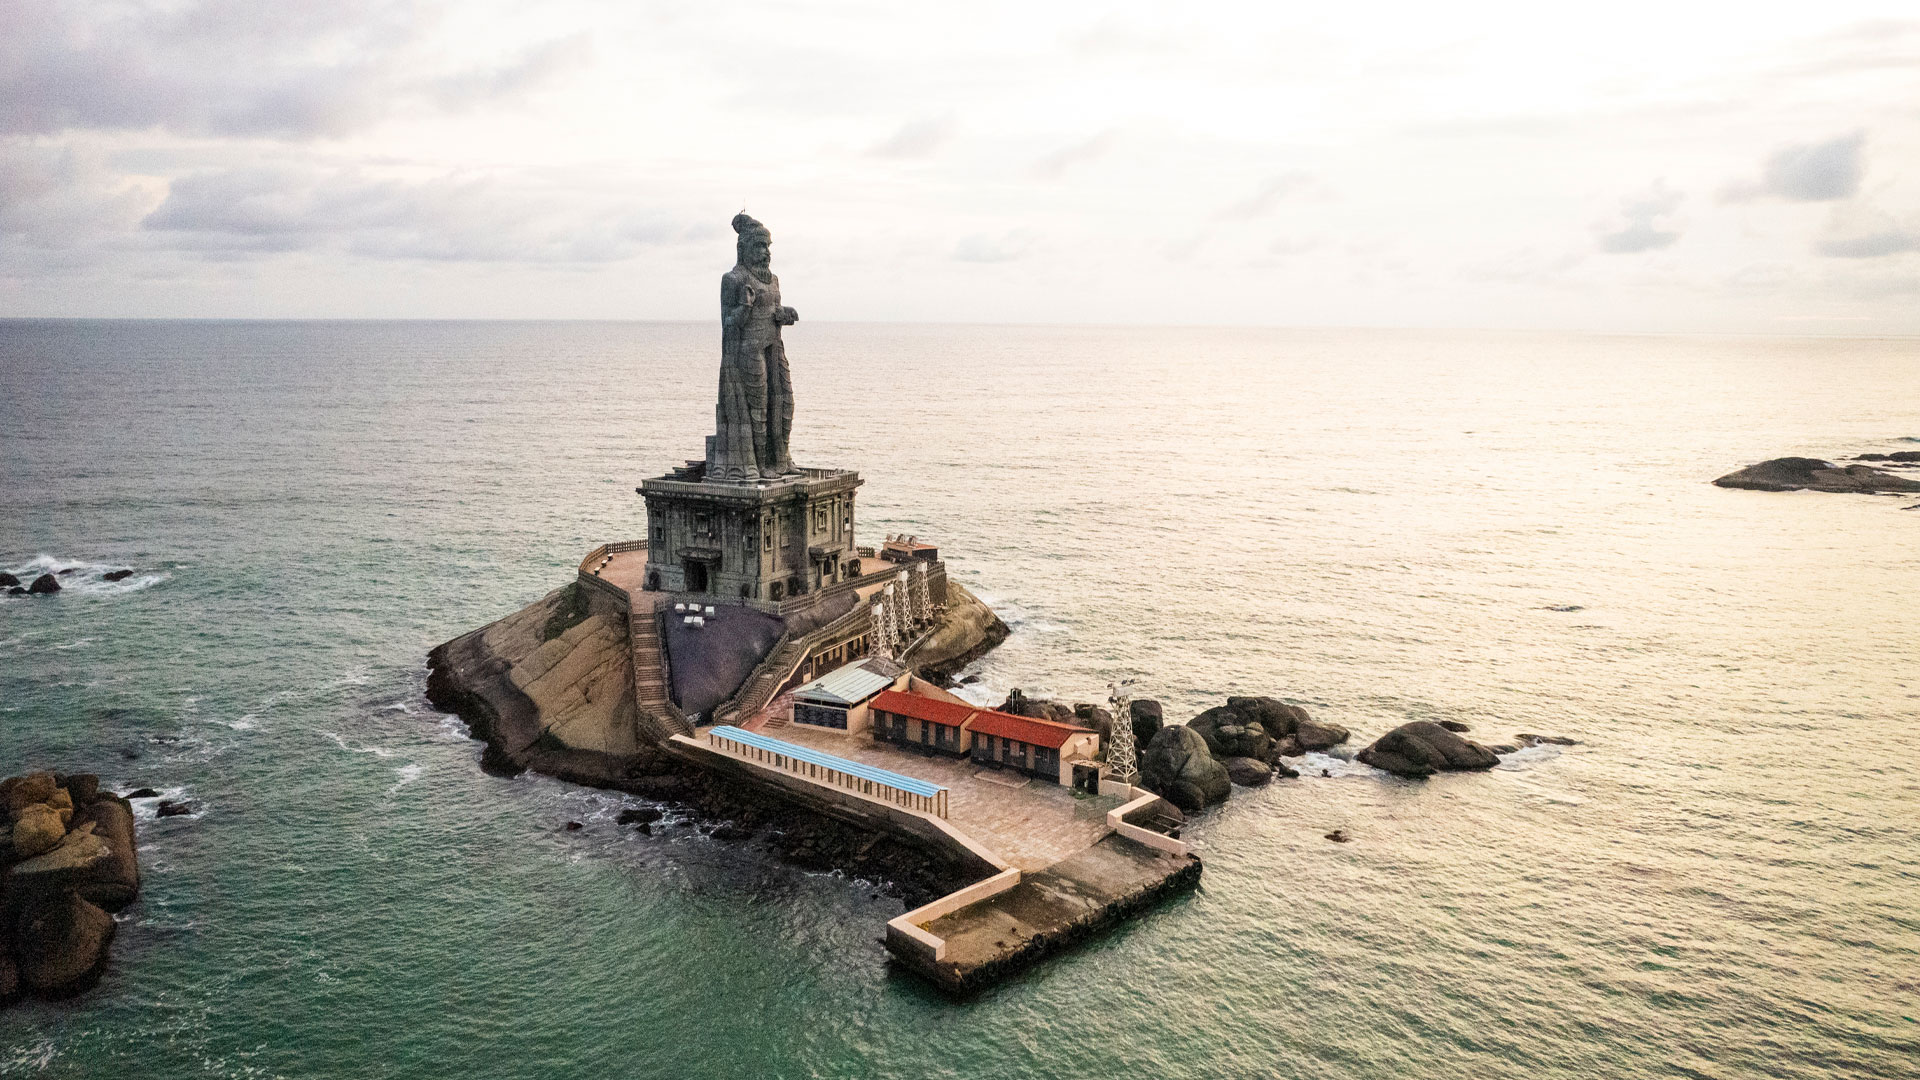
696	572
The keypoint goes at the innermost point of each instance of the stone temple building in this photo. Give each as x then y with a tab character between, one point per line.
758	540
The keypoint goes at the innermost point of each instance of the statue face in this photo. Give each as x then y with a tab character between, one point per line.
759	253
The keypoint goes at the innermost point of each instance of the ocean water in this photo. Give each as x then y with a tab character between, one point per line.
1722	879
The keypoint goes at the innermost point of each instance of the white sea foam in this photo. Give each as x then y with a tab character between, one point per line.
245	723
86	578
343	743
1314	762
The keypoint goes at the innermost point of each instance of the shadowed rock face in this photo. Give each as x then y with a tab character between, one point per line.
968	630
1178	767
1423	748
1813	474
1148	718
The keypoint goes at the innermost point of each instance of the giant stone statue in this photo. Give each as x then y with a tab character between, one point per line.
755	411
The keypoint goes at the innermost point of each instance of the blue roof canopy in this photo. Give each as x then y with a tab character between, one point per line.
900	781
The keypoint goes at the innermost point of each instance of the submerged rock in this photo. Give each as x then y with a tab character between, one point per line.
1552	740
1813	474
116	575
1178	766
1423	748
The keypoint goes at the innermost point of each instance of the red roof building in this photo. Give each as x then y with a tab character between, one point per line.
1026	729
916	707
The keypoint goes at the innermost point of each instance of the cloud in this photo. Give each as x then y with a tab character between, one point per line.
980	248
1865	233
234	67
1056	164
1807	172
1639	227
483	219
916	139
1272	191
54	197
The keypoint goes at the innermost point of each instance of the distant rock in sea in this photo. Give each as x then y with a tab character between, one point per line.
1423	748
1813	474
44	585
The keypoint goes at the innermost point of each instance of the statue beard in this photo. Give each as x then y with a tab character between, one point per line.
761	267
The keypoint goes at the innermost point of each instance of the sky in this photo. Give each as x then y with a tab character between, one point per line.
1634	167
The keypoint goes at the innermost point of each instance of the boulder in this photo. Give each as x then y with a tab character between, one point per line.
170	808
1148	718
1813	474
114	883
1422	748
60	944
1178	766
44	585
1228	734
62	801
83	787
7	579
1247	772
1284	722
16	591
143	793
20	792
1095	717
1318	735
1455	726
36	830
116	575
639	815
77	859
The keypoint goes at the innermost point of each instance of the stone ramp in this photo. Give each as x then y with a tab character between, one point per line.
1049	910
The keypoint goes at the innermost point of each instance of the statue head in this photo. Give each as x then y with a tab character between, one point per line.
754	248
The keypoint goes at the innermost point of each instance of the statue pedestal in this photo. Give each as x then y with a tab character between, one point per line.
761	540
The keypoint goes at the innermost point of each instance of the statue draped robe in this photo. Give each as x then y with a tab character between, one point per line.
755	412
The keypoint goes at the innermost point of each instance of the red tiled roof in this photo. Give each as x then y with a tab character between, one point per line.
1024	729
932	710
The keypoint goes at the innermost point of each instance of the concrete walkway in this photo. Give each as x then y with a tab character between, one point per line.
1032	827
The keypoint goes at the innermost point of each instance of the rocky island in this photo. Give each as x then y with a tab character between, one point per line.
69	861
1814	474
747	658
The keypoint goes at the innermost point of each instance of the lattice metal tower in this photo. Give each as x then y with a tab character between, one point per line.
882	629
1122	759
922	602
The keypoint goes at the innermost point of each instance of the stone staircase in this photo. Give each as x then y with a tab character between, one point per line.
767	679
650	673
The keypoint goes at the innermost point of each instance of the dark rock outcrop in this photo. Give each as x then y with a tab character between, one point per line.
1293	732
1422	748
1178	766
1095	717
60	944
1230	734
1148	718
1905	457
1455	726
7	579
1813	474
44	585
116	575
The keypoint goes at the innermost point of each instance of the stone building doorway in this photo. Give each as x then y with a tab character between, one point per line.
696	572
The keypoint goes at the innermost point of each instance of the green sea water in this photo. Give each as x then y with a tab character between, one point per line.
1514	531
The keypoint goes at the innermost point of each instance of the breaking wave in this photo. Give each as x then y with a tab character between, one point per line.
82	578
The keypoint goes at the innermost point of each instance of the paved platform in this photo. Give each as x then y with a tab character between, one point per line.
1031	827
1051	909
